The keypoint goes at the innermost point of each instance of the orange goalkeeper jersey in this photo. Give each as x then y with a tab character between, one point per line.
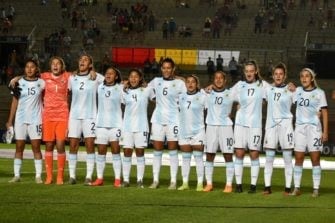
56	106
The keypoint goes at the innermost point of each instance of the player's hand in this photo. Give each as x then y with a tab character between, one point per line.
291	87
93	75
8	125
209	88
325	137
13	82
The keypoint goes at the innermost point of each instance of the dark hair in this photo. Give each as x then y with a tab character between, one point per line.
169	60
117	72
36	63
142	82
282	66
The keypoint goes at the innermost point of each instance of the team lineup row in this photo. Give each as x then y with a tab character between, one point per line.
112	112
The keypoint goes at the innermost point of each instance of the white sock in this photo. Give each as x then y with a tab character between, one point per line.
287	155
316	171
199	164
254	171
140	168
101	163
116	159
17	167
229	173
126	166
156	165
174	163
209	172
186	166
72	165
297	176
268	168
38	168
90	160
238	165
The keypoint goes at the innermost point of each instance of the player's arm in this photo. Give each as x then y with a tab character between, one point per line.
324	118
12	112
14	81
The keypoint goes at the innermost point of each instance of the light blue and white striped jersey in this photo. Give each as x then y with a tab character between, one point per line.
250	98
135	118
309	104
109	106
167	95
29	108
219	105
84	96
191	115
280	100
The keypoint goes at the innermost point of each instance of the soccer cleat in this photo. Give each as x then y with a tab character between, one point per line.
287	191
140	184
252	189
172	186
228	189
267	191
125	184
87	182
238	188
72	181
200	187
48	181
296	192
117	183
208	188
60	181
38	180
97	182
15	179
184	187
154	185
315	193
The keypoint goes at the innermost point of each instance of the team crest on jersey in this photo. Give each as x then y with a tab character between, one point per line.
174	85
38	85
23	85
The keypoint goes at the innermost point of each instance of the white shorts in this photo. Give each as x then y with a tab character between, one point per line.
197	140
248	138
219	137
308	137
282	133
22	130
134	139
162	132
81	126
106	135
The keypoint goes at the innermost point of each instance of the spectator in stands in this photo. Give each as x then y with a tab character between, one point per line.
216	28
233	66
270	69
74	19
109	7
210	67
207	27
219	63
6	26
165	29
172	27
151	22
258	23
3	76
284	19
83	19
3	13
67	43
155	67
147	67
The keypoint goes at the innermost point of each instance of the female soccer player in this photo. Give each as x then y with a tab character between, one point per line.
219	131
164	120
83	115
279	127
55	117
248	122
192	106
135	124
26	109
109	124
310	132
